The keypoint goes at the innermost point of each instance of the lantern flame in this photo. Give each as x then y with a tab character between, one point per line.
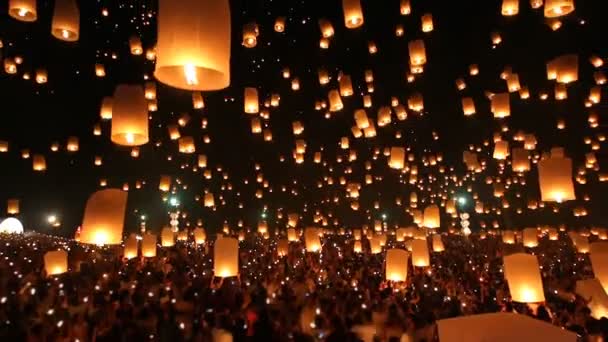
22	12
190	73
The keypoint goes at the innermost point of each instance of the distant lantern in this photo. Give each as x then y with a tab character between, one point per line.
420	253
186	145
41	76
130	249
135	46
468	106
346	86
104	217
226	257
438	245
357	247
292	235
510	7
209	201
500	105
523	277
100	70
397	158
24	10
520	161
38	162
66	21
129	116
417	52
335	101
501	150
427	22
566	68
167	237
327	29
250	35
396	265
12	206
282	247
279	24
431	218
353	13
106	108
165	183
312	240
197	100
55	262
530	236
558	8
251	101
148	246
555	179
193	49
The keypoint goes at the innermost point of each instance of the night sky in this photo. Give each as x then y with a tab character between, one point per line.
34	116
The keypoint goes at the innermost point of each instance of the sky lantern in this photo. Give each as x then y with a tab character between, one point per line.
396	265
427	22
438	246
135	45
520	161
148	245
500	105
566	68
594	294
335	101
312	240
186	145
282	247
417	52
357	247
38	162
226	257
420	253
250	35
292	236
327	29
251	101
431	217
12	206
167	237
24	10
346	86
130	249
530	237
397	158
106	108
165	183
501	150
279	24
129	116
510	7
200	236
353	13
55	262
104	217
66	21
523	277
558	8
599	263
209	201
508	237
468	106
193	49
555	179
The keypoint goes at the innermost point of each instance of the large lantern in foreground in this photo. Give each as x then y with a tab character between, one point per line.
396	264
431	218
599	263
226	257
104	217
129	116
193	49
558	8
66	21
353	14
55	262
523	277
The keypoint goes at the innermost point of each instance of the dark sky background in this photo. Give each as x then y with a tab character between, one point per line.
34	116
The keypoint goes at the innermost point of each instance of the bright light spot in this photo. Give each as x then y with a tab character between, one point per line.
23	12
190	73
130	138
51	219
173	201
462	200
65	34
101	237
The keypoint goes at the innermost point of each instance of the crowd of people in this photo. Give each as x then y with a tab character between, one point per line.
333	295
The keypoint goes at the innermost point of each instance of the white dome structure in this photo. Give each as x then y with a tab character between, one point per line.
11	226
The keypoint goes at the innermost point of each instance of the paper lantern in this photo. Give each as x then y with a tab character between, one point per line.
353	13
599	263
193	49
375	245
420	253
346	86
165	183
335	101
468	106
186	145
130	249
581	243
104	217
312	240
397	158
438	244
327	29
199	236
209	201
522	273
291	235
167	237
396	265
431	218
250	35
508	237
182	235
417	52
129	116
530	236
594	294
566	68
282	247
226	257
558	8
148	246
66	21
24	10
520	161
501	150
135	46
555	179
251	101
12	207
357	247
427	22
106	108
262	227
500	105
55	262
510	7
